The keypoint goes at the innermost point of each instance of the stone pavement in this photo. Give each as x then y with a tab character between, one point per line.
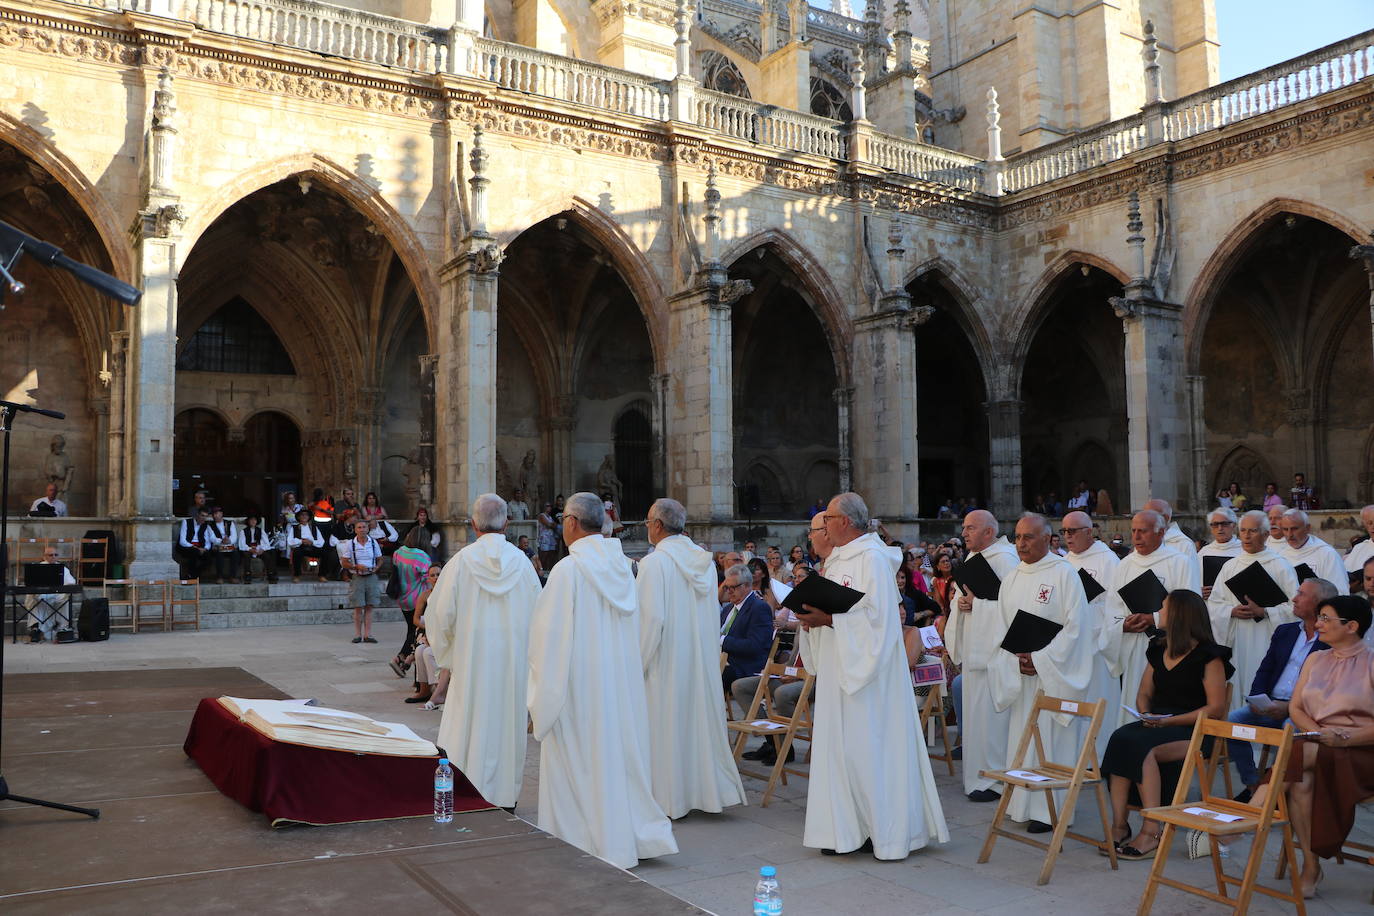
720	854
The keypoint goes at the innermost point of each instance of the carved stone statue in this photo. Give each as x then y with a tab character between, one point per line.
608	482
527	479
57	466
414	473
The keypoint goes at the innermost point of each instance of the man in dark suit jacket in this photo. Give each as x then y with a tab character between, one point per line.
746	626
1278	673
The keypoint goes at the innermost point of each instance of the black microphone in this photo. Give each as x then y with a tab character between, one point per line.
17	240
25	408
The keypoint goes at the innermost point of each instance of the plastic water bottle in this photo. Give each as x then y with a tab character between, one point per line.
767	900
443	792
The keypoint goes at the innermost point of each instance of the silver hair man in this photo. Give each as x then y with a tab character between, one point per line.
1257	516
1046	527
588	509
1226	514
1298	515
741	572
489	514
1154	518
671	513
853	507
1325	590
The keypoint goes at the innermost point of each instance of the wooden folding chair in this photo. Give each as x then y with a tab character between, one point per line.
781	730
145	587
1048	776
129	588
1218	817
174	602
933	710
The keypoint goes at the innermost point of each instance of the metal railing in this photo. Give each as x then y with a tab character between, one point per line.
931	163
767	124
552	76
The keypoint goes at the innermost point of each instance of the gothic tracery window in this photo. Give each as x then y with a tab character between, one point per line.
718	72
236	339
828	101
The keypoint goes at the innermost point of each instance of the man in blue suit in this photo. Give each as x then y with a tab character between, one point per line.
746	626
1278	673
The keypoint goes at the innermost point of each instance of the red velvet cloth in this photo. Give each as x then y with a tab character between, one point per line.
291	783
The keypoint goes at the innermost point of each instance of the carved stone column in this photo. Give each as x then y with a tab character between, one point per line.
115	490
1200	491
658	388
429	368
1157	430
1365	254
1300	413
844	401
884	407
1006	499
558	448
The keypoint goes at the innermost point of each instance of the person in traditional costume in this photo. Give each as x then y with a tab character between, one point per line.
871	785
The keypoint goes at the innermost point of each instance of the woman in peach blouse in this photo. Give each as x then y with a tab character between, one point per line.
1333	771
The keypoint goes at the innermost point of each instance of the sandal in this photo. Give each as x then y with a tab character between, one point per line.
1101	851
419	698
1131	854
399	667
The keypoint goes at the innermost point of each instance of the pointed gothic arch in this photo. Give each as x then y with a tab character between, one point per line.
1024	323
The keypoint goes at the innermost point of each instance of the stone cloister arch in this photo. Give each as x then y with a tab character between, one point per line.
58	336
575	348
338	296
1281	336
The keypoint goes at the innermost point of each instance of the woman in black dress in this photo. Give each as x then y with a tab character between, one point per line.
1186	678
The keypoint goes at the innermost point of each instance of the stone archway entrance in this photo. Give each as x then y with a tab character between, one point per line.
245	470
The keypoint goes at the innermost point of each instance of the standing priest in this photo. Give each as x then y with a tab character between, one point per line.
1302	548
1173	535
1045	585
679	637
1223	546
871	784
586	699
477	621
1142	580
1096	565
974	629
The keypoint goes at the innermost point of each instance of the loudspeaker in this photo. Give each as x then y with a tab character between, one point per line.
93	624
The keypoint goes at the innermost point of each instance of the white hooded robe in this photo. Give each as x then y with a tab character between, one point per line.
679	638
1174	571
971	640
1100	562
1175	538
870	775
586	700
1249	639
477	621
1321	558
1049	588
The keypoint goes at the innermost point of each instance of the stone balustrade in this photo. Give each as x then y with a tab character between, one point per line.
1082	151
552	76
748	120
930	163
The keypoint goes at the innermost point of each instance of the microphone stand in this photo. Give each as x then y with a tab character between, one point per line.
7	411
14	242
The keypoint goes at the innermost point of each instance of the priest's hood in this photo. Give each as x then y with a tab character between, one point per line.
1164	552
607	570
693	562
493	562
870	541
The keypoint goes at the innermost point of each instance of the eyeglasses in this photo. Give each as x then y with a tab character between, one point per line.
1327	618
737	585
1220	524
1068	531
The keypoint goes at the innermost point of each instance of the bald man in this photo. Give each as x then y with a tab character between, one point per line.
1087	555
1362	552
972	638
1173	536
1302	547
1128	634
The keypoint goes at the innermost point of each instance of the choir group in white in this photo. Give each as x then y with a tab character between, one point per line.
620	673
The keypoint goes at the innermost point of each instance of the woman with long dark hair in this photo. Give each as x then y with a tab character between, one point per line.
433	543
942	582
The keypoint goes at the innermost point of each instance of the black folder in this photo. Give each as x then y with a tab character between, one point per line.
1304	573
1144	594
1091	587
818	591
975	576
1211	568
1029	633
1255	583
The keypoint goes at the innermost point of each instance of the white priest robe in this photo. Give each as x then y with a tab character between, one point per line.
1249	639
1048	588
1174	571
586	700
1100	562
1231	548
1359	555
870	775
1175	538
679	639
477	621
971	640
1322	559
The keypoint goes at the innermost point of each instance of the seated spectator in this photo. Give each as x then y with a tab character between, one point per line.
776	571
783	694
346	503
47	611
359	555
801	571
1082	498
372	507
257	552
1277	676
431	681
942	582
321	508
519	509
48	505
748	551
794	556
727	559
305	540
816	509
918	608
1103	506
434	541
192	550
1271	496
1185	678
746	626
286	512
381	531
410	564
222	536
523	543
767	588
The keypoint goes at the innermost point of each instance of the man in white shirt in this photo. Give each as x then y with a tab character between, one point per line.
1278	673
519	509
1362	552
305	539
221	535
51	502
1301	547
47	611
255	549
360	555
192	550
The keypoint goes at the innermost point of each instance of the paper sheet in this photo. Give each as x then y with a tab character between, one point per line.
765	723
1142	715
930	637
1214	815
1027	774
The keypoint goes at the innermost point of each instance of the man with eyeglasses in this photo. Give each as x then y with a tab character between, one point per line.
1276	676
1090	557
1245	626
746	626
46	611
1302	547
1222	523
